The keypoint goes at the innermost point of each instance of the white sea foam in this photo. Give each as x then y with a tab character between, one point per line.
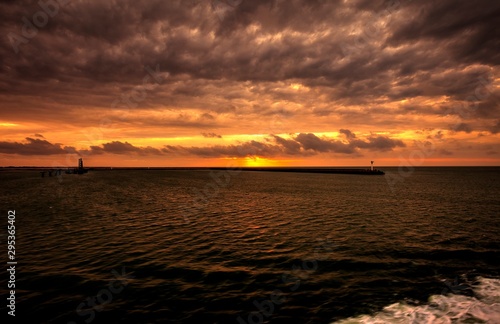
443	309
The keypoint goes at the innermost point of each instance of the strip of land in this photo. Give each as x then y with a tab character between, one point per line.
330	170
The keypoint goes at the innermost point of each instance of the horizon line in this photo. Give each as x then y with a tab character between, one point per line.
242	167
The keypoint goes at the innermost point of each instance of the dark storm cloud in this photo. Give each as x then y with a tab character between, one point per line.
311	142
305	144
348	134
347	52
495	129
211	135
181	120
378	143
487	109
251	148
462	127
117	147
467	29
117	38
290	146
34	147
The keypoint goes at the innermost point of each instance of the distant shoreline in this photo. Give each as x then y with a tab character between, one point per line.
271	168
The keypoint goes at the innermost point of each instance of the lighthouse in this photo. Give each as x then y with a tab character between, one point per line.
371	169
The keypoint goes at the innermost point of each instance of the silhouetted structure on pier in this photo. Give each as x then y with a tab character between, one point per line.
56	172
79	170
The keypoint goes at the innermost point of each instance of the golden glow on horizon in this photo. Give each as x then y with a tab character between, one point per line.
254	162
263	162
451	148
117	160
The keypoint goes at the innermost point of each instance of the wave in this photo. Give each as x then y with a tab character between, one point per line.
484	307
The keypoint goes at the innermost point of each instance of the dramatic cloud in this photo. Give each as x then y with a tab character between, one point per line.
275	146
139	75
379	143
34	147
462	127
211	135
313	143
495	129
348	134
117	147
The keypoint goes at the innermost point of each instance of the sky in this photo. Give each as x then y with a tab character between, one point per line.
249	83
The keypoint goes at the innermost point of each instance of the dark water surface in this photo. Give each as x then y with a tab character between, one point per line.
189	247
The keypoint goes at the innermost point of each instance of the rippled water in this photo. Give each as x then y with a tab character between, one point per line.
250	247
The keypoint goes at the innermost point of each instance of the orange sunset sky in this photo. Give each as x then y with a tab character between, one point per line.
256	83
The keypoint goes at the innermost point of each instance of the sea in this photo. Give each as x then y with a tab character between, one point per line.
232	246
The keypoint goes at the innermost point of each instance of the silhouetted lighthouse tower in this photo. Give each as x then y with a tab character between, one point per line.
371	167
80	163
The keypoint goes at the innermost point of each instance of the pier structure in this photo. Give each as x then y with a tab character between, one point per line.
326	170
79	170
